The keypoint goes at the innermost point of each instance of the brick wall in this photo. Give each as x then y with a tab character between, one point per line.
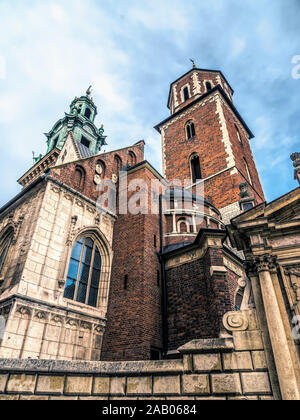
134	312
198	298
65	173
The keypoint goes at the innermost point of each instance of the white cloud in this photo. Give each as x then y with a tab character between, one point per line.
58	12
159	15
2	68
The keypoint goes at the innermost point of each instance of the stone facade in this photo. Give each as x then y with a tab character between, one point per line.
269	236
40	323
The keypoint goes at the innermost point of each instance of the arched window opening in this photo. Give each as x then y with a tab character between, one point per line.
248	171
5	244
208	86
186	94
131	159
183	226
118	164
88	113
83	277
238	134
190	130
79	177
195	168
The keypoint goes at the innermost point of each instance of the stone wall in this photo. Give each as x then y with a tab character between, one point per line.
40	323
208	370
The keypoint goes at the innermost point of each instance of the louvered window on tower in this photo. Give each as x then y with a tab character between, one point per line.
208	86
186	94
88	113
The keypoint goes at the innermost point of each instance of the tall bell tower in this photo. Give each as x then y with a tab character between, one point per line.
206	139
81	121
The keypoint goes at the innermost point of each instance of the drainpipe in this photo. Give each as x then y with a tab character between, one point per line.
164	300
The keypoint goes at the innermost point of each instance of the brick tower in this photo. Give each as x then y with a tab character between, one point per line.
205	138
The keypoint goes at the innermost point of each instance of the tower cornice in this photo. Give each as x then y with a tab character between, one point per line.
217	88
196	69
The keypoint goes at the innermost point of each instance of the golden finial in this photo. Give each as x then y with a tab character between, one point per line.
89	91
193	61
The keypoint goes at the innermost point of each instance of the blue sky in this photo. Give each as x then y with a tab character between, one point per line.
130	51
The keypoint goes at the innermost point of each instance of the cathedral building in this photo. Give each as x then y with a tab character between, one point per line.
81	279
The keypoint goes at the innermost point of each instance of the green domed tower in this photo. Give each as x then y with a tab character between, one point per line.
80	120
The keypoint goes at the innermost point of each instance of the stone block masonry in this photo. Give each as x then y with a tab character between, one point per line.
207	370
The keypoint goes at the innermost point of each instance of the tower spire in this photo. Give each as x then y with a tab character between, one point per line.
193	61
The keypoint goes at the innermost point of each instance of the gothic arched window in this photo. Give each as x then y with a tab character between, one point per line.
79	177
190	130
5	244
131	159
118	164
83	277
195	168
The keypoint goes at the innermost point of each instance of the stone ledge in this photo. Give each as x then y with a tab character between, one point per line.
209	345
100	368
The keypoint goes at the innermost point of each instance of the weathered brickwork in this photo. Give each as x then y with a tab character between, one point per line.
200	290
135	295
66	172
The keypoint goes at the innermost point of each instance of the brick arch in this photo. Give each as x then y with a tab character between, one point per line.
79	177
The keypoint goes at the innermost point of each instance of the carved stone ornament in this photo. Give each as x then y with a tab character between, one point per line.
5	310
41	315
57	319
61	284
114	178
86	325
235	321
97	179
68	196
244	190
295	157
98	328
23	310
79	203
99	169
260	263
72	322
55	189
